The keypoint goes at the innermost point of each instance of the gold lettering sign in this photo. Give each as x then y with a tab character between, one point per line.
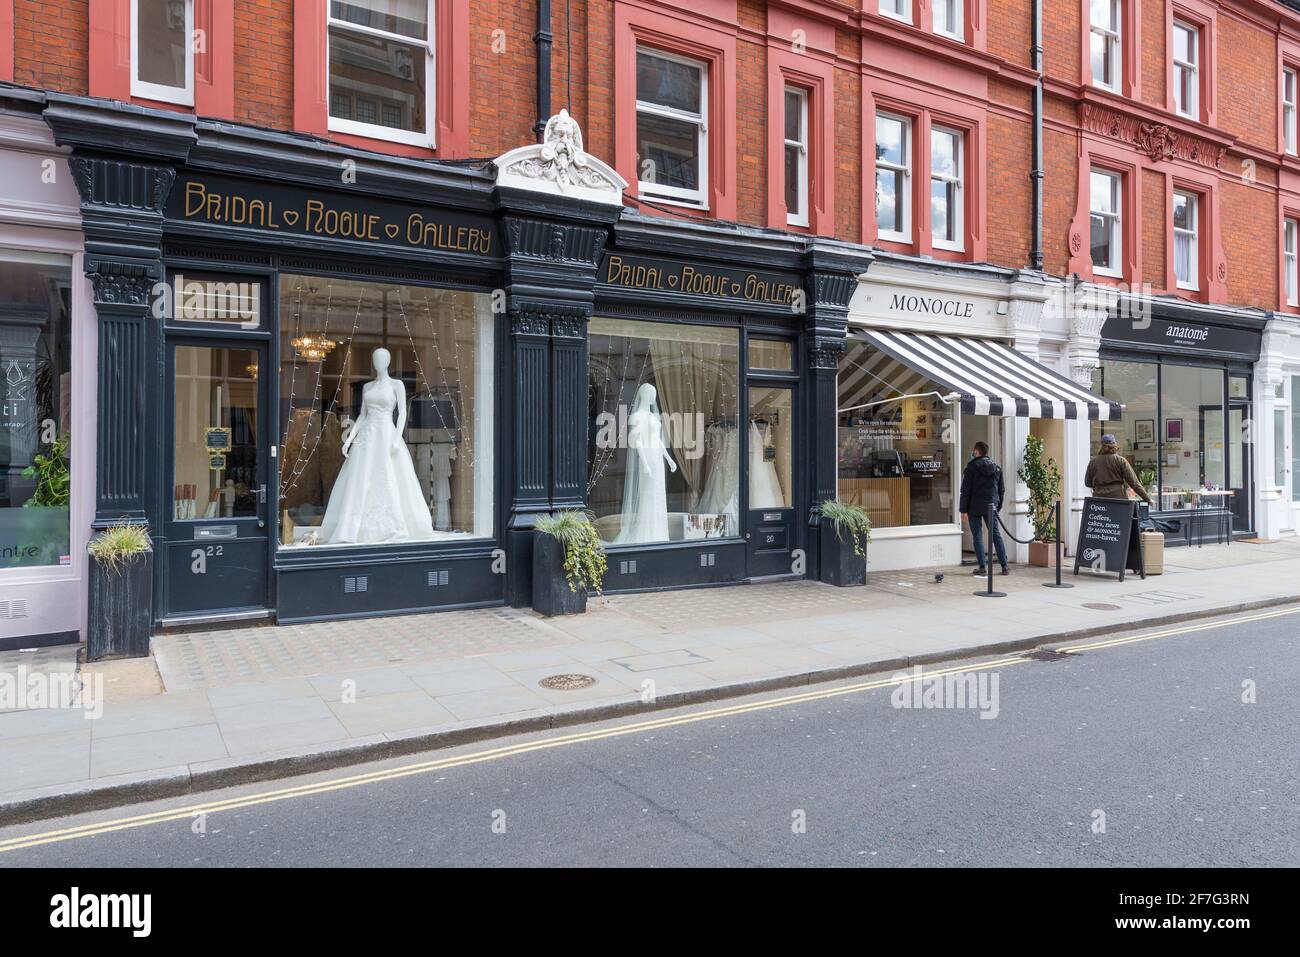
697	281
322	217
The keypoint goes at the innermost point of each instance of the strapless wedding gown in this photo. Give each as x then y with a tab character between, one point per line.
764	485
377	497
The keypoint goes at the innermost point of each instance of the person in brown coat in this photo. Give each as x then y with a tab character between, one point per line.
1109	473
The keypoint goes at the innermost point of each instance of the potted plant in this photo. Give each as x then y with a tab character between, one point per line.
846	530
44	518
1043	479
1147	479
568	562
121	592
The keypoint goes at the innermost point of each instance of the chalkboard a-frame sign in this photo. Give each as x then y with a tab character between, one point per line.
1107	537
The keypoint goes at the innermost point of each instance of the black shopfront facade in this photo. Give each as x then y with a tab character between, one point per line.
1185	377
254	289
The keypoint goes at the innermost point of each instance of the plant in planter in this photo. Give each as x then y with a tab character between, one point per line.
1147	479
568	562
1043	479
846	530
121	592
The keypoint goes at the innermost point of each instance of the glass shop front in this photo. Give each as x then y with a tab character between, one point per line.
1186	425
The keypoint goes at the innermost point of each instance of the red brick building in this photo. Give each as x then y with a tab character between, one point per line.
894	227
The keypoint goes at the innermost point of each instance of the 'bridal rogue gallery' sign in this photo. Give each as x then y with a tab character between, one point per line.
644	273
296	211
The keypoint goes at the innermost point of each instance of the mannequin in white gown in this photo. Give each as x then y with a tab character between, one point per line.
377	497
645	498
764	485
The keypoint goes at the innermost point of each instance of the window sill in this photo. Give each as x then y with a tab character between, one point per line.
162	94
382	133
672	201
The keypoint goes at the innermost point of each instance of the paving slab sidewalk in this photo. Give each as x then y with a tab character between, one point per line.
255	703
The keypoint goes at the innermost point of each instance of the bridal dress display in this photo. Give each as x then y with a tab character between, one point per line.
721	495
645	498
377	497
764	485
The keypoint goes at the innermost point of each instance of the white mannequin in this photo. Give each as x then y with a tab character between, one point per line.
645	499
377	497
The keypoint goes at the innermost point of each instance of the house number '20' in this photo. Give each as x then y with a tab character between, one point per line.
199	566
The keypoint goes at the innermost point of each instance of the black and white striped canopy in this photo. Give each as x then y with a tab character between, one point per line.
989	377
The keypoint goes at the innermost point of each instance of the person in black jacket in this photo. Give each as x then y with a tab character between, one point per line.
981	486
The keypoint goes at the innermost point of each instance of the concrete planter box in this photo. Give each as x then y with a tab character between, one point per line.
840	564
120	619
551	593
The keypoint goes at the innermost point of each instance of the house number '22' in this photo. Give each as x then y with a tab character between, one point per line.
199	566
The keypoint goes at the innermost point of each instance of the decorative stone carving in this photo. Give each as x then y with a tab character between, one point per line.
121	283
122	185
1157	140
560	165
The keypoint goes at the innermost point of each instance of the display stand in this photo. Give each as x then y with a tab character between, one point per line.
1108	538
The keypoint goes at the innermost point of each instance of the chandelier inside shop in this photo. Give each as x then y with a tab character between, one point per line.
313	348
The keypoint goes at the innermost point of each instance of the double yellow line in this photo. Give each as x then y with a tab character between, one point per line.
507	751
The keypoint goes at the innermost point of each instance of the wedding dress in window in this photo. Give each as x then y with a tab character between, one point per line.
377	497
645	498
764	485
721	494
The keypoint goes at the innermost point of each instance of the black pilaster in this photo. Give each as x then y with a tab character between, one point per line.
122	163
832	275
553	248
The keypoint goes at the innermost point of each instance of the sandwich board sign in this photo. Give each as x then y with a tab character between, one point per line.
1108	540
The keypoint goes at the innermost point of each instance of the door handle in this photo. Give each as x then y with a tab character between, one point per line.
261	495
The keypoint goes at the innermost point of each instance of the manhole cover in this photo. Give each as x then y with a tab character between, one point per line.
567	682
1046	654
1100	606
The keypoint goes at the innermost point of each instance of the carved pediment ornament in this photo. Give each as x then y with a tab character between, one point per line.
560	164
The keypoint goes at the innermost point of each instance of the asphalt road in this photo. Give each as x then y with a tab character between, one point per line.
1151	739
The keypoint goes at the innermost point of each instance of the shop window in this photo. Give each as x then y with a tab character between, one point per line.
1290	279
771	447
1105	43
1105	206
796	156
1186	244
671	129
215	392
946	188
1288	109
664	454
1295	438
162	50
1135	386
36	359
893	177
895	441
1192	437
381	69
386	413
1279	447
1187	70
947	18
897	10
771	354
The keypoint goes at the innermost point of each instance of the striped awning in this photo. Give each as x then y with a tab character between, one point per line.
990	378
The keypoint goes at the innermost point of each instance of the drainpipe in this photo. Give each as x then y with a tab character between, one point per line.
544	40
1037	174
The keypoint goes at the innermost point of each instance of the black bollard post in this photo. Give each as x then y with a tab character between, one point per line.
1058	583
989	555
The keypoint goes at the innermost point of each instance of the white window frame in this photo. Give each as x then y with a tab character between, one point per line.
1289	108
906	169
800	218
674	194
157	91
959	194
1190	110
375	131
896	10
1194	260
1115	219
1290	260
958	25
1114	39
